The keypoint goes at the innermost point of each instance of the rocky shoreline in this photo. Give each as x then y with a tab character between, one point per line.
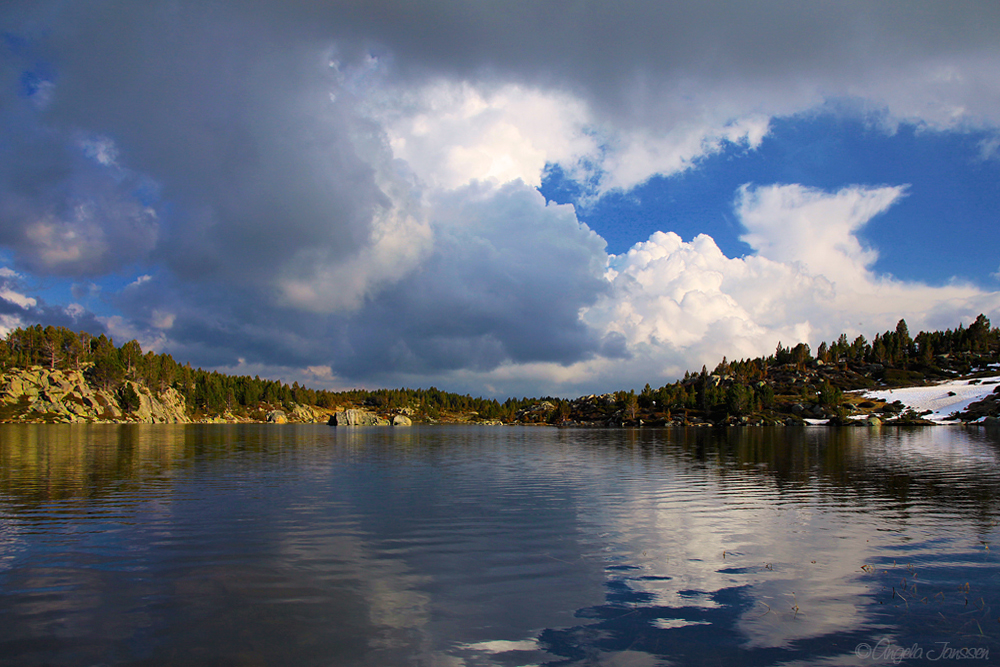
40	395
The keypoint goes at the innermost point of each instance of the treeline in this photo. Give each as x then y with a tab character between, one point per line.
898	349
108	367
795	374
733	388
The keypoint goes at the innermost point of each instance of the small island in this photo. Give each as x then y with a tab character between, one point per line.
55	375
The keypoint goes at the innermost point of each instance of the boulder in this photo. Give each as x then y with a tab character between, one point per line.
277	417
401	420
355	417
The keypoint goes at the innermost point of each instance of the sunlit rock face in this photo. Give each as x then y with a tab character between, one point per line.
36	394
356	418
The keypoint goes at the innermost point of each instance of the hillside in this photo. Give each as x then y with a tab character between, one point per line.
56	375
53	374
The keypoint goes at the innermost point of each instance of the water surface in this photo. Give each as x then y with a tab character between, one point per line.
311	545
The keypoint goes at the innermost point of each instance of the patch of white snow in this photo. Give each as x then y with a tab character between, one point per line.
943	399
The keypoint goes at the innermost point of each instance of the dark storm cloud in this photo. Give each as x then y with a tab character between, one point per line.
66	207
641	60
232	120
506	281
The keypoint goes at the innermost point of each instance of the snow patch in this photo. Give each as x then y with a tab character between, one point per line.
943	399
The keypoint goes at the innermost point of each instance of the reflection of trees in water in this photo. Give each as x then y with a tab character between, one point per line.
947	467
46	462
40	463
951	468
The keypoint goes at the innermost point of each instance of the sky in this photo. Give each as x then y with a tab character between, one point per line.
501	198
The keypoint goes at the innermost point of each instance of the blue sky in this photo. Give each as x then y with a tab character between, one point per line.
953	195
492	199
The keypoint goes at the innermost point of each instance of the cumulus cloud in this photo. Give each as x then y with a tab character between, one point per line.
797	224
454	133
505	283
682	304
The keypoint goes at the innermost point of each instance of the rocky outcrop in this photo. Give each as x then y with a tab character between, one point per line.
355	417
401	420
988	406
165	407
307	414
38	394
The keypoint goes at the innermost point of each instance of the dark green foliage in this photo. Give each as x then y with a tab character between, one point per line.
128	399
735	388
739	399
209	392
765	395
829	395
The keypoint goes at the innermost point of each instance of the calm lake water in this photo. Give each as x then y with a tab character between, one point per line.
451	546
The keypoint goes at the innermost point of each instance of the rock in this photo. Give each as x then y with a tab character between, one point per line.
355	417
307	414
67	396
277	417
401	420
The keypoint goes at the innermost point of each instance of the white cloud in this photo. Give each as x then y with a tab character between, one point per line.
398	242
10	292
679	305
10	322
101	150
17	298
162	319
636	155
122	330
798	224
451	133
678	302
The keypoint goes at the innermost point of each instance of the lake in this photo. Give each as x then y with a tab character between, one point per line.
454	546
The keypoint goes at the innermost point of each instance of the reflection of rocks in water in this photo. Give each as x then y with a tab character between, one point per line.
59	461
